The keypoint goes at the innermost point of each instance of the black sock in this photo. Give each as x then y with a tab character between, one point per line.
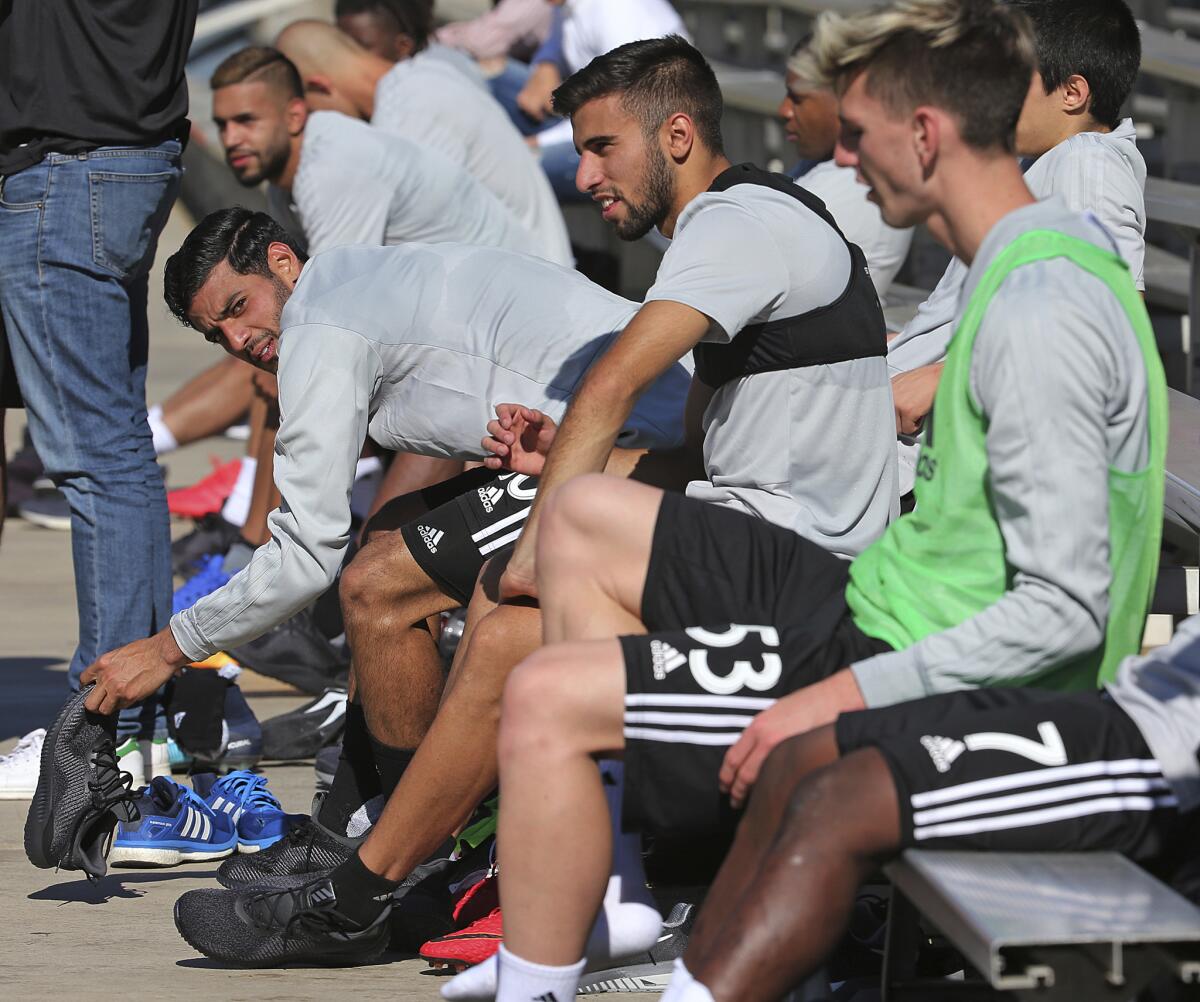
361	894
391	763
357	779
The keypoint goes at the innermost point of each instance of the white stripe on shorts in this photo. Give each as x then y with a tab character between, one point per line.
1038	777
1034	798
504	523
496	544
1048	815
695	719
664	736
686	699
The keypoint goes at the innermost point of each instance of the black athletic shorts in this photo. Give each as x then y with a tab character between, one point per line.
472	518
1019	770
740	613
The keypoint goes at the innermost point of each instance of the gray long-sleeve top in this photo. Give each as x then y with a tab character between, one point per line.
415	345
1061	382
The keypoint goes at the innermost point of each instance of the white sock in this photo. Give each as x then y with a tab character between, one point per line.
628	922
685	988
164	439
524	981
368	474
237	505
362	820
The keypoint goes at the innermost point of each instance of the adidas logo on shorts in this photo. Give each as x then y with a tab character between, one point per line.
489	497
943	751
431	536
664	659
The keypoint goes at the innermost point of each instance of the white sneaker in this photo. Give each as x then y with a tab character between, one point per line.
131	760
19	768
160	759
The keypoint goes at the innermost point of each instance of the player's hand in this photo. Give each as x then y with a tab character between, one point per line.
912	394
534	98
520	576
129	674
518	439
797	713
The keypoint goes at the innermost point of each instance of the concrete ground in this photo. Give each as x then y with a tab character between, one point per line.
59	934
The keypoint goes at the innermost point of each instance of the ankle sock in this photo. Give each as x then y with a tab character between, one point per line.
361	894
685	988
164	438
628	921
391	763
524	981
356	780
237	505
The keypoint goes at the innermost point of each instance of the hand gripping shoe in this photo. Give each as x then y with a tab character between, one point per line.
265	928
81	794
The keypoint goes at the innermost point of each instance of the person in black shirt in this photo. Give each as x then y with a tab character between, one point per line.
93	115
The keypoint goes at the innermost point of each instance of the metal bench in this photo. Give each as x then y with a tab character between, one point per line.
1071	926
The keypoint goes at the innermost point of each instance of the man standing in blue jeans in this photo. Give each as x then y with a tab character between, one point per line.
93	115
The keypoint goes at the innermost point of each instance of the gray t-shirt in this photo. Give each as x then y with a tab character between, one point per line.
1101	173
428	102
358	185
1161	692
457	60
813	448
860	221
1061	383
413	345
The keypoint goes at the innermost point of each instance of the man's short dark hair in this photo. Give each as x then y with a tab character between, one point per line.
259	62
1097	39
971	58
237	235
656	78
413	18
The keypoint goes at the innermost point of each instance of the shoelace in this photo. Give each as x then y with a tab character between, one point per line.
248	789
28	747
319	917
112	787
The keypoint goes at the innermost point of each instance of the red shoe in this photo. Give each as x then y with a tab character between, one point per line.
208	495
477	939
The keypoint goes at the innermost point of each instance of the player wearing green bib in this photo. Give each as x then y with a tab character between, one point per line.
1029	559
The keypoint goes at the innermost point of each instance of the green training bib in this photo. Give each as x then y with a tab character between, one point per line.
946	562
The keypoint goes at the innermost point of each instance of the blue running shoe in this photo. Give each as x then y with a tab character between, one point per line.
207	579
175	826
243	796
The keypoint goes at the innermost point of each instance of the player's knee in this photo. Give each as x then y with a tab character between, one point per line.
358	586
533	706
578	515
849	806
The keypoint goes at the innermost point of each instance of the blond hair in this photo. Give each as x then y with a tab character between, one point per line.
973	58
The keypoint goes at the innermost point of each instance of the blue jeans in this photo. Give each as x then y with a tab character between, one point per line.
78	234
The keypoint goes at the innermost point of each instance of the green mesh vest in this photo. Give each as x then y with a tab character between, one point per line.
946	562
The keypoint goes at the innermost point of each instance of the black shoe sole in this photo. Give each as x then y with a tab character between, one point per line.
363	957
39	823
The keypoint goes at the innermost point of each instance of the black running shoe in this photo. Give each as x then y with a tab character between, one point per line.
308	728
298	653
310	849
212	535
649	971
81	794
265	928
